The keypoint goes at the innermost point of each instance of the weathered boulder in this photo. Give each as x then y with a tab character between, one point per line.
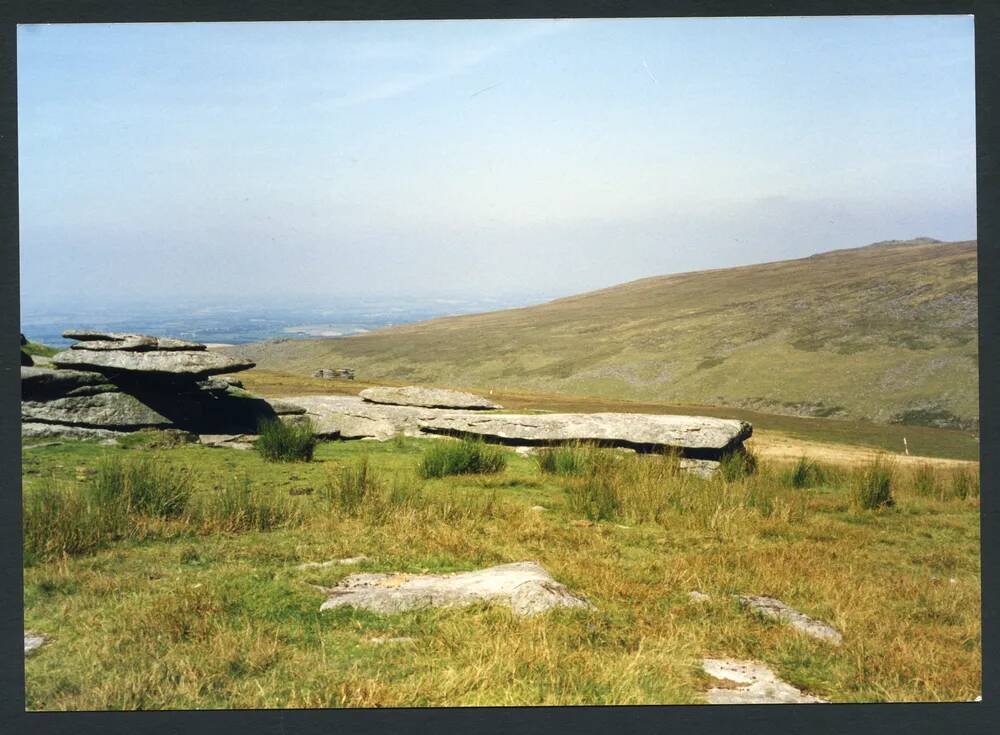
285	408
774	609
524	586
350	417
33	641
192	363
760	684
38	383
696	436
119	411
427	398
127	342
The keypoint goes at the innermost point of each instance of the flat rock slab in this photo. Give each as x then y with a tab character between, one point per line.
127	341
193	363
32	642
351	417
760	684
524	586
40	383
775	609
115	411
633	430
32	430
427	398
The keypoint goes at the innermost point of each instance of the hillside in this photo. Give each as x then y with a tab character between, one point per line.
885	332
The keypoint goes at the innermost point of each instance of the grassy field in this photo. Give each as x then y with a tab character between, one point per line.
193	609
769	429
885	333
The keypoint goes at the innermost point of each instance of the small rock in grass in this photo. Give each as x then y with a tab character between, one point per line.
384	640
696	596
539	508
760	684
769	607
345	562
33	641
524	586
581	522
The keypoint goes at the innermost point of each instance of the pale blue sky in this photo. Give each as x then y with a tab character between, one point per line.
263	160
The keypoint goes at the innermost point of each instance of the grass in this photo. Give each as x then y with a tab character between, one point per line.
278	441
187	612
465	457
871	486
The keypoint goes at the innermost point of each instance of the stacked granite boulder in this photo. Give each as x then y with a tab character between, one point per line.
112	382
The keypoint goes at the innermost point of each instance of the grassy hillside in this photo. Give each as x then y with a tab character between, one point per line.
885	332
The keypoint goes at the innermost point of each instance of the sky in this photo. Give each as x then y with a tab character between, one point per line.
266	162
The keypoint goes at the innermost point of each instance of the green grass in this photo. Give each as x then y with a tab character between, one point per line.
871	486
38	349
278	441
465	457
189	612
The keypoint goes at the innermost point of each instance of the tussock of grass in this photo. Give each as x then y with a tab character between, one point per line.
67	520
144	485
566	459
240	506
807	473
278	441
465	457
871	486
738	464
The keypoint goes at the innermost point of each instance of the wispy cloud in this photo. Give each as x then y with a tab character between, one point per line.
448	64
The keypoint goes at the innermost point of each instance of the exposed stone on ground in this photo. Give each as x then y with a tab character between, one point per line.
693	435
777	610
346	562
525	451
33	641
696	596
285	408
697	437
427	398
192	363
31	430
760	684
525	586
703	468
539	508
127	341
384	640
103	410
332	373
230	441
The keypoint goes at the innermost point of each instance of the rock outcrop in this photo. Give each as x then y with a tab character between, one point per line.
427	398
774	609
334	373
696	437
760	685
113	382
523	586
